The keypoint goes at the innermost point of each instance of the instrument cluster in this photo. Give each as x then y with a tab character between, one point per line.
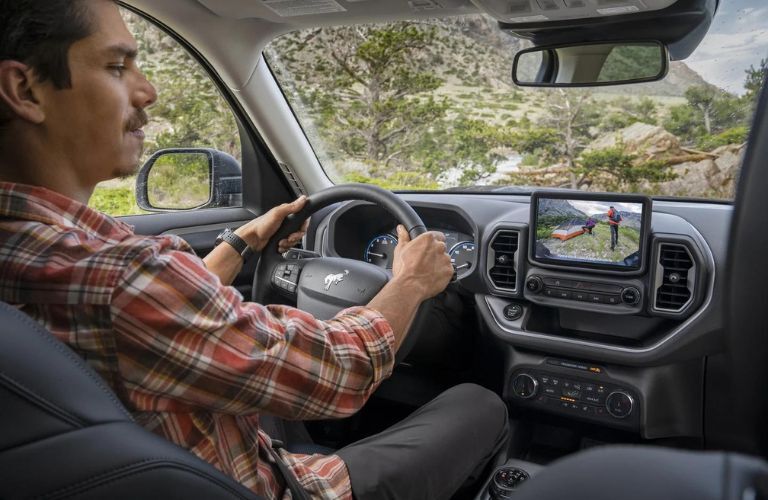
380	250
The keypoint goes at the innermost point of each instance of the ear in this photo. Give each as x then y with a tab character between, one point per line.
18	87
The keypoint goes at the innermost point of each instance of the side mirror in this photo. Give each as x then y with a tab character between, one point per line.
591	64
189	178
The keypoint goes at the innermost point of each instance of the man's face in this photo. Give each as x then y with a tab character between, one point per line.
96	124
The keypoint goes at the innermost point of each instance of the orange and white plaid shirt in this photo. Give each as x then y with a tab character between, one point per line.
188	358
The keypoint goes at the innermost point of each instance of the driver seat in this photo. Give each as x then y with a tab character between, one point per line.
64	434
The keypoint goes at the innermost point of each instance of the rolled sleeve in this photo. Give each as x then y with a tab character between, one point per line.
186	341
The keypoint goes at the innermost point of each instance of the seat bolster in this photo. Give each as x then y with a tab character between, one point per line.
117	460
49	375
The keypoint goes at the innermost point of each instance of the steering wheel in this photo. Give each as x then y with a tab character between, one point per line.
323	286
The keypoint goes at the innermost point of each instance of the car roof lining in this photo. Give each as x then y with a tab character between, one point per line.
323	13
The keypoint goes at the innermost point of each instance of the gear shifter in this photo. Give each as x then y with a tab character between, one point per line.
504	482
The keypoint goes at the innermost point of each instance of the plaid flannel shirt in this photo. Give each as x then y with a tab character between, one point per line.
185	354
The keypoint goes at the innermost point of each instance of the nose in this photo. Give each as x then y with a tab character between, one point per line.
145	94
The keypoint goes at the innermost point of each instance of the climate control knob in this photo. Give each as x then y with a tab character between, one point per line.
525	386
619	404
534	284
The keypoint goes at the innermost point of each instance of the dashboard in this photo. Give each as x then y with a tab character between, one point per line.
615	349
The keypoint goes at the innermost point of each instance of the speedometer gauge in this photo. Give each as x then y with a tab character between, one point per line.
381	251
463	257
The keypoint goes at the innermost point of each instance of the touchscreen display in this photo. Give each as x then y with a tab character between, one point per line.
593	232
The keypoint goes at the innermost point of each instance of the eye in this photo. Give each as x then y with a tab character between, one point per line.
117	69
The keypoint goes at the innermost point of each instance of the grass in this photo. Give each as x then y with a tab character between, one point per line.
597	246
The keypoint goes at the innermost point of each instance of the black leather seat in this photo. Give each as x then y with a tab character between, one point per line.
64	434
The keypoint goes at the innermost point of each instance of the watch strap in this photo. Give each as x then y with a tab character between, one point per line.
236	242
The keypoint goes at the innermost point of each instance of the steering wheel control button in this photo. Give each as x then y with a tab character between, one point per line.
630	296
524	386
286	277
619	404
534	284
513	312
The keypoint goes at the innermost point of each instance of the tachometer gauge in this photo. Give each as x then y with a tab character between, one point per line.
381	251
463	257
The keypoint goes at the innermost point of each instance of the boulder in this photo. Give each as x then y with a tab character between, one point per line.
713	177
650	142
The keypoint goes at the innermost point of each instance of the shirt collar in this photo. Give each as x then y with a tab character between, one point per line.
39	204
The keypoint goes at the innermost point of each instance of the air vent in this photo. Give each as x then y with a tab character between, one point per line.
675	278
502	260
293	180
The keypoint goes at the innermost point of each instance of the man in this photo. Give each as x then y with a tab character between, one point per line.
190	359
614	219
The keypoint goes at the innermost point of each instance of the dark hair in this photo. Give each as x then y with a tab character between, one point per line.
39	33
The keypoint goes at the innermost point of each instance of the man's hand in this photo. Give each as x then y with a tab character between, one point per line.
422	263
258	232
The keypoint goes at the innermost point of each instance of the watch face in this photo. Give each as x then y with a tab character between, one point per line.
220	236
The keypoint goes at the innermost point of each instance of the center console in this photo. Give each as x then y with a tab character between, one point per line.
588	297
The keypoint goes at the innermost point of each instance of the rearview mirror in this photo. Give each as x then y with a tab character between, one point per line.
590	64
189	178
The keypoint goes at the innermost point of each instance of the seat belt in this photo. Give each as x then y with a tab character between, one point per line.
297	491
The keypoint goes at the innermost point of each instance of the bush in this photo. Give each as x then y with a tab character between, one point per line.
530	160
114	201
736	135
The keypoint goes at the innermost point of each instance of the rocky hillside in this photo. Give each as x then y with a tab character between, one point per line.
697	173
559	208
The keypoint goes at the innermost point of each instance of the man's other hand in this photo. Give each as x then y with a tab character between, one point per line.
422	262
258	232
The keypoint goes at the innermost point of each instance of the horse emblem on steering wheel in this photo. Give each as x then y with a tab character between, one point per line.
335	279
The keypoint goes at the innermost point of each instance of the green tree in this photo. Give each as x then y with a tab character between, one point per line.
563	131
474	142
372	92
702	99
708	111
629	111
754	80
618	170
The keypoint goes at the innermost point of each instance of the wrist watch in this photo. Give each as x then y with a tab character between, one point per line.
235	242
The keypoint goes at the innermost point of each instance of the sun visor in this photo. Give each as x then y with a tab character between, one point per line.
680	24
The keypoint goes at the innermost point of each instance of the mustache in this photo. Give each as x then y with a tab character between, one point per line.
138	120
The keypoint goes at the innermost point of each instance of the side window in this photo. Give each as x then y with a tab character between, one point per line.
190	113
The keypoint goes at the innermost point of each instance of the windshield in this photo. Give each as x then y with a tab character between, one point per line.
431	106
